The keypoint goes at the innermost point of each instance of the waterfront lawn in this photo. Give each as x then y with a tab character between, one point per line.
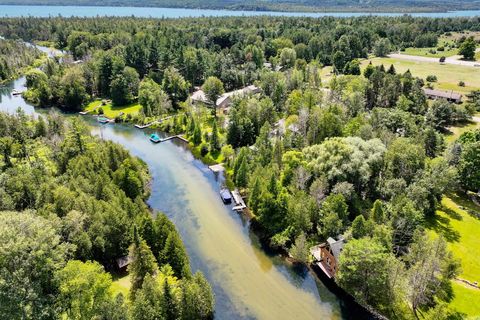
460	228
448	75
111	111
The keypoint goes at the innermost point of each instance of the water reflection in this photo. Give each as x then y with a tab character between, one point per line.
248	281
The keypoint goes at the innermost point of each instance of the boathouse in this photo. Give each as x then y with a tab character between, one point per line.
326	255
447	95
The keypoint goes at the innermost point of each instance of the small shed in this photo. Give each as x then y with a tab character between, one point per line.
123	262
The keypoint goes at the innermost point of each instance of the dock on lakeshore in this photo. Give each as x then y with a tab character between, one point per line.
144	126
84	112
239	203
217	168
178	136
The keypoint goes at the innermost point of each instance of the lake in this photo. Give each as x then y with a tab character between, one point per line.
88	11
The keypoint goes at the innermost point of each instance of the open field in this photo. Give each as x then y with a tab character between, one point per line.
460	228
463	298
448	75
430	52
121	285
456	131
111	111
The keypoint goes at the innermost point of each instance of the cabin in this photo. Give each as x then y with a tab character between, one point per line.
225	100
123	262
439	94
326	255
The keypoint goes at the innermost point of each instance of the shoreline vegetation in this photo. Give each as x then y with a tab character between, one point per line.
341	160
387	7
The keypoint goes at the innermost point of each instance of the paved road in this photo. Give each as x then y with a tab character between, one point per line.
449	60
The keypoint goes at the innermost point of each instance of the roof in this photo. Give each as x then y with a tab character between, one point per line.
336	246
442	94
226	195
123	261
200	95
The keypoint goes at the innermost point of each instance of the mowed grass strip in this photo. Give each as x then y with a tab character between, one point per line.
427	52
460	228
448	75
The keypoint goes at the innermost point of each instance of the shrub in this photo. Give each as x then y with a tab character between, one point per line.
461	84
432	78
441	49
100	110
204	149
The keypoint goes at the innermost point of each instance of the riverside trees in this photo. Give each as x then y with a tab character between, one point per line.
67	216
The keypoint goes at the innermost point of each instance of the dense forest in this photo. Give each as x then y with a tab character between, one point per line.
276	5
70	206
364	157
13	57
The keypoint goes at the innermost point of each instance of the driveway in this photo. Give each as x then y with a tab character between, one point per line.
450	60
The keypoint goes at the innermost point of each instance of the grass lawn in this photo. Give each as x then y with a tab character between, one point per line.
448	75
456	131
121	285
464	300
460	229
425	52
111	111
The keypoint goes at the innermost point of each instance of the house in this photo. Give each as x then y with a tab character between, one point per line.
438	94
327	254
123	262
225	100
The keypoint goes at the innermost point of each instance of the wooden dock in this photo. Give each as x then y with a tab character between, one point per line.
239	203
217	168
84	112
144	126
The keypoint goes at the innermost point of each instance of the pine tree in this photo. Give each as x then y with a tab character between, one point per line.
241	178
214	142
254	199
197	135
359	227
170	305
175	255
143	262
378	214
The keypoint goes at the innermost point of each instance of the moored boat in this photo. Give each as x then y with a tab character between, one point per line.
155	138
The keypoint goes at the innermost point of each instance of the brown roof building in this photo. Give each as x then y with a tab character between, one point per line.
438	94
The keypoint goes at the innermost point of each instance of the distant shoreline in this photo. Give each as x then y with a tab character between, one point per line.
385	9
83	10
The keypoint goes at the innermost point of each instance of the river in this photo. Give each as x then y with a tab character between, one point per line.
249	283
90	11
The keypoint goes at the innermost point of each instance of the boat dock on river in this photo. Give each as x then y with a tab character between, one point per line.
157	139
239	203
144	126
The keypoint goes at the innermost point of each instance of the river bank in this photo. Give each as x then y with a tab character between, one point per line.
248	281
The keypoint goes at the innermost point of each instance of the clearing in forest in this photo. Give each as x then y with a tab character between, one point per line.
458	221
